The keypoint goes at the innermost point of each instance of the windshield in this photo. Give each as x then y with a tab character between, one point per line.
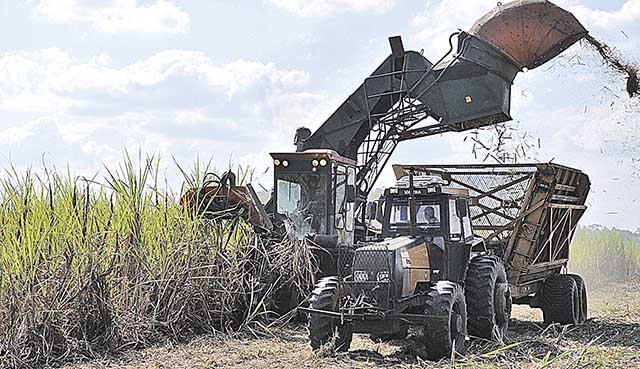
302	198
427	214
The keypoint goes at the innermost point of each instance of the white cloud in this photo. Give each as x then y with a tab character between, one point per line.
441	18
177	102
117	15
50	75
319	8
628	14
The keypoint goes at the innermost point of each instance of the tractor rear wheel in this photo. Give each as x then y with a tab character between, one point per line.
560	301
582	297
325	329
446	327
488	298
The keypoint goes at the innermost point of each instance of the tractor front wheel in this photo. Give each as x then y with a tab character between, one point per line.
446	328
325	330
488	298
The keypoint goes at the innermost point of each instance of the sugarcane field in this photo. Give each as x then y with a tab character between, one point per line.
320	184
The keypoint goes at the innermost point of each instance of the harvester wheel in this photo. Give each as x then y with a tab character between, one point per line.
582	297
560	302
324	329
488	298
447	328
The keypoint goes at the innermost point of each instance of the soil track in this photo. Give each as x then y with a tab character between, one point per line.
609	339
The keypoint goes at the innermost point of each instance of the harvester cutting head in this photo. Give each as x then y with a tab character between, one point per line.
223	199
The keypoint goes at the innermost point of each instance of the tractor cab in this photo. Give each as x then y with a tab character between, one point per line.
439	211
432	219
315	192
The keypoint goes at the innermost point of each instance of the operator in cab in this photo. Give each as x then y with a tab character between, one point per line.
429	215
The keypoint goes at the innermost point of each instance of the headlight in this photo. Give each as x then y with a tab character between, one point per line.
285	163
360	276
323	162
315	162
276	162
382	276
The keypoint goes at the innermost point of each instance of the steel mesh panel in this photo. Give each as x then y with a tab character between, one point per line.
500	194
366	275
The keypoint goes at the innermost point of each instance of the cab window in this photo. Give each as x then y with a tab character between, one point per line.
427	214
454	222
340	184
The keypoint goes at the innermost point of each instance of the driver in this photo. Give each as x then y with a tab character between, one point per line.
429	215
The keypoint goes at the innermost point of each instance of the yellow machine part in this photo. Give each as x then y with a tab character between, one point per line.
415	262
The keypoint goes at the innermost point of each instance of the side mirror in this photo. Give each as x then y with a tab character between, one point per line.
461	208
350	193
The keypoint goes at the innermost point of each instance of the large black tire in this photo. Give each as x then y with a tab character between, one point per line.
560	301
582	297
447	305
488	298
323	329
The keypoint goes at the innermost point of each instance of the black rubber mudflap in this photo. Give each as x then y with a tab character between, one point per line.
322	329
560	302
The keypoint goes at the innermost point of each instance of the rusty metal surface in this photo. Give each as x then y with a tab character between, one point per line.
222	202
530	32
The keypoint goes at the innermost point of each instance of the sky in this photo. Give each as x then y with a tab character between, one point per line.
81	81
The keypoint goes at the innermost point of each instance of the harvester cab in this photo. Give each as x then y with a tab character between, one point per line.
315	199
315	192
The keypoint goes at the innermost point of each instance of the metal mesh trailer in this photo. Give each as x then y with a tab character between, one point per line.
527	213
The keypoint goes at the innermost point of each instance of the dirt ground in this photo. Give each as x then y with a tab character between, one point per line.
609	339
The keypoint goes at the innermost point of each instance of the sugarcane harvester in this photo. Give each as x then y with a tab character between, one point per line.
320	191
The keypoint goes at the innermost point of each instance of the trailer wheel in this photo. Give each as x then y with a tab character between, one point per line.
560	301
323	329
488	298
447	330
582	297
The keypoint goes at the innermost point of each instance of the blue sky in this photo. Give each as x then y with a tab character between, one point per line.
81	80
